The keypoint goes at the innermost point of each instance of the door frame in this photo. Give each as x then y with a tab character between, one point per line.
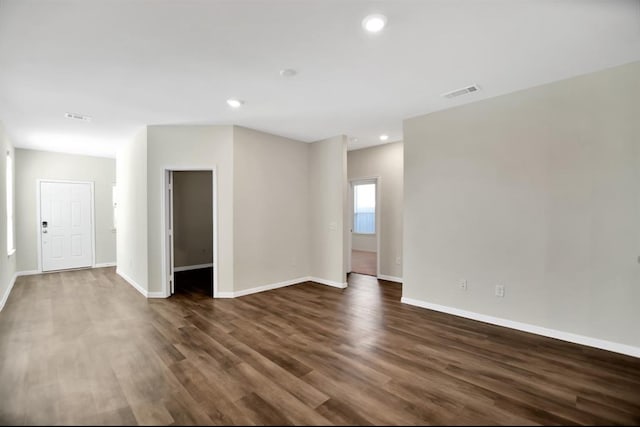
377	179
166	209
38	218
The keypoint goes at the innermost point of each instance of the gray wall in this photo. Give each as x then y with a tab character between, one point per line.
328	209
268	223
7	263
190	147
364	242
271	208
131	171
538	190
32	165
385	161
193	218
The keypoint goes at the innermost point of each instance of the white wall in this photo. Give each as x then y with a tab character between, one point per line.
131	180
192	218
328	209
31	165
279	202
7	263
384	161
538	190
201	147
364	242
271	209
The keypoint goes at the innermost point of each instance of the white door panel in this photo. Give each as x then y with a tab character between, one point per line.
65	225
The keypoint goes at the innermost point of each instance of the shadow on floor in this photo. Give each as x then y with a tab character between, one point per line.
195	282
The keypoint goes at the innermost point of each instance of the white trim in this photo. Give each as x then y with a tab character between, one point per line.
28	273
526	327
377	180
170	286
171	233
327	282
272	286
104	264
156	294
269	287
390	278
5	297
39	217
225	295
133	283
163	220
192	267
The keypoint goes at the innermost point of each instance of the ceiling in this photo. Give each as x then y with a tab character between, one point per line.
132	63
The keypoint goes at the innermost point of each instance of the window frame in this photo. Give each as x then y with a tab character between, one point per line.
114	205
375	207
10	206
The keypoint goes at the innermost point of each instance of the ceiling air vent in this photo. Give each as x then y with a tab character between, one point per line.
461	91
77	117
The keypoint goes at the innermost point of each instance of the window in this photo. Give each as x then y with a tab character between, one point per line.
9	181
364	208
114	201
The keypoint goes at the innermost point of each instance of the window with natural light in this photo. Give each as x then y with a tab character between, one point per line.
9	182
114	201
364	208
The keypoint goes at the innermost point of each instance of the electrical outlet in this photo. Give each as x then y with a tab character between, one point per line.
500	291
463	285
398	260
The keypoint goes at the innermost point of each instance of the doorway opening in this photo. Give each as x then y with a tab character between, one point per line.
191	232
365	226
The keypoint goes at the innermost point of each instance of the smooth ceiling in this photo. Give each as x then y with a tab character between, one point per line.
132	63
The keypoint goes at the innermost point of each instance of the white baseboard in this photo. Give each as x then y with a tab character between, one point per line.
224	295
327	282
28	273
279	285
155	294
105	264
192	267
5	296
526	327
261	288
133	283
390	278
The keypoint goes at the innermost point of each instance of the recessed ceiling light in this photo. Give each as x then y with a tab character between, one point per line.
384	137
234	103
288	72
353	139
374	23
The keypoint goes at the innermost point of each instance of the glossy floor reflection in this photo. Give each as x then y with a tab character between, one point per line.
84	347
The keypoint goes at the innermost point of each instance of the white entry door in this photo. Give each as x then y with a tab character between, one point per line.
65	225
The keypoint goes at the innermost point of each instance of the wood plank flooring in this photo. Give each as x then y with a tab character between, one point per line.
364	262
84	347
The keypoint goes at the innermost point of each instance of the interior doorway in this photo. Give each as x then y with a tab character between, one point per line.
365	226
191	232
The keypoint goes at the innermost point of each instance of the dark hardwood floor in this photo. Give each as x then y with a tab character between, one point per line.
85	348
364	262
